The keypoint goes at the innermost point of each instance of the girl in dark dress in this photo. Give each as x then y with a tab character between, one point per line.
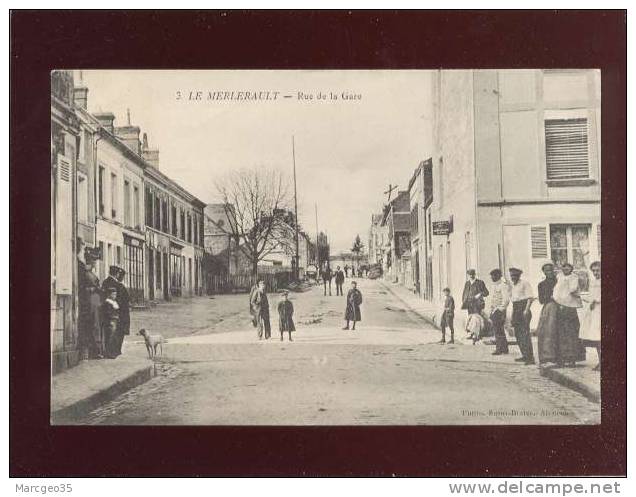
285	316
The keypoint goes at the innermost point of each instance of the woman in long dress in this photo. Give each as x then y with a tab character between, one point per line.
547	331
591	325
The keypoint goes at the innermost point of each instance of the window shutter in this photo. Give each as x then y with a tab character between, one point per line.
566	148
539	242
64	228
598	239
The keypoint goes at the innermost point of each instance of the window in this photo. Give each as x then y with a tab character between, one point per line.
189	228
101	190
119	256
164	216
82	197
113	195
566	149
136	208
157	206
149	207
102	268
182	230
173	217
127	218
158	270
571	243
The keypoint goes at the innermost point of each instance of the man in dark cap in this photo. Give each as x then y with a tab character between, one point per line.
521	296
474	293
499	300
90	301
115	281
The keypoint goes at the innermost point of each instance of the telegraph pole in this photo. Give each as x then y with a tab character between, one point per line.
296	271
317	242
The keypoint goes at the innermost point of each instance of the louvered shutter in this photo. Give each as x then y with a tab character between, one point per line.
539	242
598	239
567	149
64	228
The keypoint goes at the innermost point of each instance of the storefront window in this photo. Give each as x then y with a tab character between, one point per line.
571	243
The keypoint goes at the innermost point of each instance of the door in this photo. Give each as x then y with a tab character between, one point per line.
165	280
151	275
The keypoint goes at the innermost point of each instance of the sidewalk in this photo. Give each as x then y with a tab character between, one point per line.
581	378
79	390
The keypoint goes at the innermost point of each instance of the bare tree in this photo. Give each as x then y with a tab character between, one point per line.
256	203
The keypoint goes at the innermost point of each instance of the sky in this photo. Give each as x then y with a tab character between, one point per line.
347	151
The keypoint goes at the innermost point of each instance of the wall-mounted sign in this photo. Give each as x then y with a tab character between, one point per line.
443	227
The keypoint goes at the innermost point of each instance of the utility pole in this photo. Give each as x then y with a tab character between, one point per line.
317	240
296	272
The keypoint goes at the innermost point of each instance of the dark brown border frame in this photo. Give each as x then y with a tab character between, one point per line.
43	40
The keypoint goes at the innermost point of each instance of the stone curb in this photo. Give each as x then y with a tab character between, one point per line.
425	317
573	384
69	414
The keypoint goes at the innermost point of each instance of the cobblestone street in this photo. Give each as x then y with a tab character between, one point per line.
389	371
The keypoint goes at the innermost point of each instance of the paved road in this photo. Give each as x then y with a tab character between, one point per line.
389	371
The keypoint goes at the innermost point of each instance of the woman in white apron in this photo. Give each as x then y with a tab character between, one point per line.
591	326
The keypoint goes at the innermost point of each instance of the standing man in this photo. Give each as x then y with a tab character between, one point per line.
326	277
354	300
346	268
474	293
499	300
260	311
340	277
521	296
566	295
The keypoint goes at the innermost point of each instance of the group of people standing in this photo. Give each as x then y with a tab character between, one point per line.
104	310
259	310
562	338
338	275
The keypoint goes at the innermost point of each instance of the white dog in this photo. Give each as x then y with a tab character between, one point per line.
152	342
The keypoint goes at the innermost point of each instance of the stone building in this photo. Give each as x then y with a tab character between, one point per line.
420	198
515	173
65	136
377	240
396	219
174	234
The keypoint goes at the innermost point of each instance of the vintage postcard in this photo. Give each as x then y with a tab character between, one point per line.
326	247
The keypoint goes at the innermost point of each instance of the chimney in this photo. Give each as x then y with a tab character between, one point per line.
150	156
80	93
129	134
106	120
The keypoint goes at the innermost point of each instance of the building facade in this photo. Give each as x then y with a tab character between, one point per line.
65	137
174	237
397	219
515	174
377	239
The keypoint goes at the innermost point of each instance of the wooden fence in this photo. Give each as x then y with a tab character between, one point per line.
242	283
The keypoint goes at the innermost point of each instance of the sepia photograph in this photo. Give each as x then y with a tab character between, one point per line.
325	247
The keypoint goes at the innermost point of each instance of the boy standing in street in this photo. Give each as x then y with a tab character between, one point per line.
447	316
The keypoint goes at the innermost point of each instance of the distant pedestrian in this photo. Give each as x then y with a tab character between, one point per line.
326	278
566	295
521	296
499	300
354	300
285	316
340	277
591	325
548	328
448	316
260	311
474	293
346	269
